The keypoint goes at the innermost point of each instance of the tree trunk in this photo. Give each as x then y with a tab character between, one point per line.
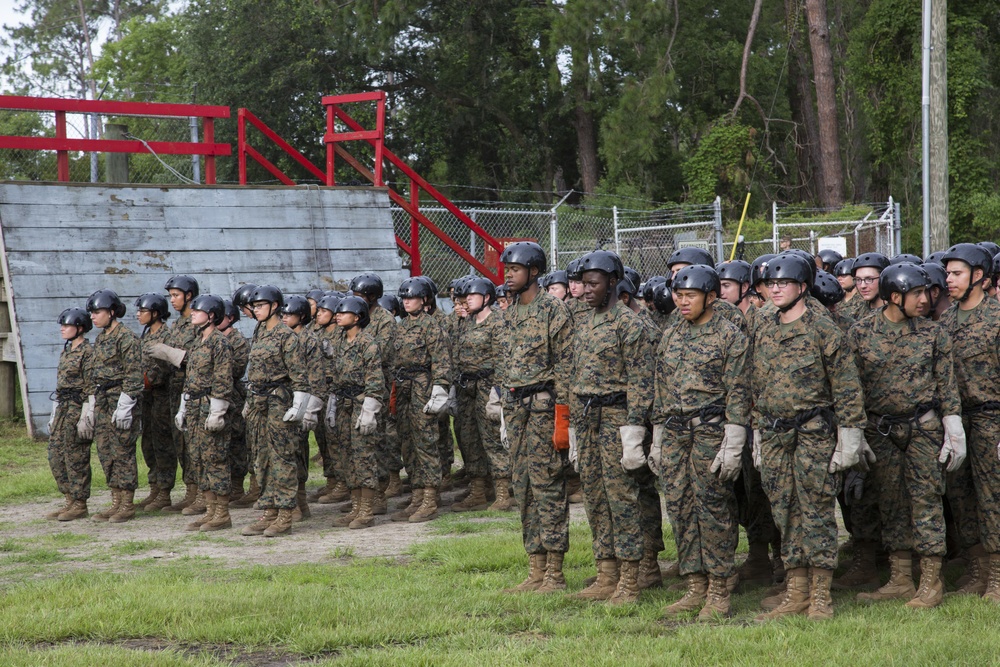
832	194
583	121
800	98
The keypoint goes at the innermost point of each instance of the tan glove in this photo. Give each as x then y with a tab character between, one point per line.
848	449
655	458
633	457
439	400
298	410
172	355
366	421
755	449
216	414
310	419
85	426
727	463
493	405
181	414
122	416
574	455
953	451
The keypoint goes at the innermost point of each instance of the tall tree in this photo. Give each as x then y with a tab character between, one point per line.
832	194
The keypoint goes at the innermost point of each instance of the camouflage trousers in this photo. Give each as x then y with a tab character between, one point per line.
361	467
302	455
539	474
610	495
753	507
322	445
275	444
475	431
650	512
419	434
910	483
982	434
69	457
794	473
446	441
391	453
335	451
209	451
960	496
239	454
157	439
115	446
865	516
180	444
702	509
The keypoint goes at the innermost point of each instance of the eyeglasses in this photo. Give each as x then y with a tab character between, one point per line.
779	284
866	281
260	304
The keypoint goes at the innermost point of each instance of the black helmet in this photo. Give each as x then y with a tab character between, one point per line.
830	258
211	304
76	317
232	312
268	293
390	303
810	260
184	284
482	286
663	298
461	285
526	253
976	256
900	278
827	290
241	297
368	284
873	260
625	286
573	270
633	277
737	270
154	302
106	299
757	268
329	302
357	306
697	277
315	294
905	257
502	291
691	255
790	267
936	275
843	267
605	261
431	285
297	305
415	288
996	264
990	246
559	277
935	257
650	286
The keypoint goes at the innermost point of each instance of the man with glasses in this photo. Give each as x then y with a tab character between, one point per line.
866	270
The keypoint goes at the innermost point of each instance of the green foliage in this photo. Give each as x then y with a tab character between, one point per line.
722	163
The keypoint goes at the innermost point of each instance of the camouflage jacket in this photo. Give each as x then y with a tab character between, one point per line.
916	357
723	308
358	364
536	344
210	368
976	351
156	372
276	356
611	354
422	343
315	362
116	363
241	352
71	374
181	336
383	328
479	347
577	307
699	366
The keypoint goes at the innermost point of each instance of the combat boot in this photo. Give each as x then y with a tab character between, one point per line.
693	599
504	502
404	514
111	511
574	491
756	569
78	510
162	501
716	600
795	601
773	597
203	519
199	506
380	505
154	492
931	591
554	579
67	503
672	571
345	521
977	575
862	573
536	575
992	593
220	519
323	490
251	496
301	511
605	584
190	493
338	494
126	508
260	525
395	487
900	584
649	571
365	517
428	508
282	524
820	601
627	591
476	500
235	488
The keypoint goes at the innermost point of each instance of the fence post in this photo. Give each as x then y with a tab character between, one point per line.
208	130
812	242
116	164
774	226
553	239
897	226
414	230
614	221
720	250
472	241
62	157
195	160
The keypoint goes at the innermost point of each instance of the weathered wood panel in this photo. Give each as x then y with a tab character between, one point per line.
63	242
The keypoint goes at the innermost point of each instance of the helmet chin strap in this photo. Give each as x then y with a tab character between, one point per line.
972	284
802	295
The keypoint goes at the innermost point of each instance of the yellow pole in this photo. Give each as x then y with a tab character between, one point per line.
740	227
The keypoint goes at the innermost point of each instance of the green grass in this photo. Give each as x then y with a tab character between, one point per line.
134	547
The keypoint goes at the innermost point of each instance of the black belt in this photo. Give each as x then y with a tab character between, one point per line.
465	380
103	388
407	373
521	393
705	415
988	406
885	423
619	399
784	424
267	389
348	392
195	395
67	396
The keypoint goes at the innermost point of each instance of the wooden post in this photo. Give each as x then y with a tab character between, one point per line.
116	164
939	126
8	370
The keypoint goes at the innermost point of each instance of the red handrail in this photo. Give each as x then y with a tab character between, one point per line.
244	149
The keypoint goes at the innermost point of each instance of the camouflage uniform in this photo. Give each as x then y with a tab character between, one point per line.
333	452
315	364
239	455
651	513
422	361
803	372
69	457
181	336
209	375
357	373
275	370
975	338
115	368
477	354
904	427
700	386
382	327
612	380
446	440
536	368
157	421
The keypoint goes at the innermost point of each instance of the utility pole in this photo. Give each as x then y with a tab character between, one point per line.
935	125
